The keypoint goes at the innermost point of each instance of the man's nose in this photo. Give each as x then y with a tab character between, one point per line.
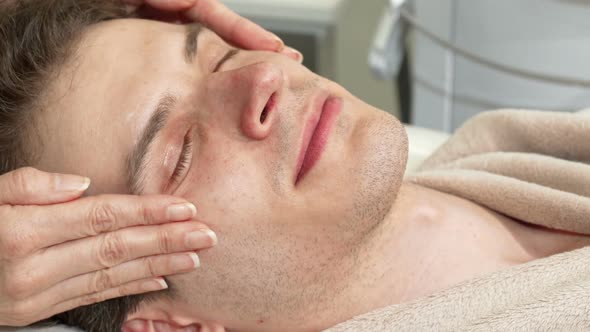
254	91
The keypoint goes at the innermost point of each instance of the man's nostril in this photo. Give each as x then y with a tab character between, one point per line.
264	114
270	104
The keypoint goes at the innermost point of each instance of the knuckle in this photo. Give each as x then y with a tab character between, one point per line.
146	213
102	218
101	281
165	241
127	289
130	288
150	267
18	287
112	251
102	296
90	299
16	242
24	180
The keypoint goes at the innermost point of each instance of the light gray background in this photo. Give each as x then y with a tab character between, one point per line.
547	36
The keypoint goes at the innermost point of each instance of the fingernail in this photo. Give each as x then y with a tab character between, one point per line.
199	239
294	53
279	45
154	285
71	183
185	262
179	212
212	235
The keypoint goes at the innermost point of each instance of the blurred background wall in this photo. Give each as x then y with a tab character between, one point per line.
357	27
546	37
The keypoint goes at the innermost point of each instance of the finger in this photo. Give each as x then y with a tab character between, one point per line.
293	54
170	5
139	269
90	216
112	249
132	288
233	27
166	5
28	186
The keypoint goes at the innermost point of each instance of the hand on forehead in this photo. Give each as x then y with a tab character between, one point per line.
227	24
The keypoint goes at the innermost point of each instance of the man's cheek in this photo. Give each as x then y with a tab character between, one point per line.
229	192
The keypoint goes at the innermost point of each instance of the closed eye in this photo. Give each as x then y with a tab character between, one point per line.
183	161
230	54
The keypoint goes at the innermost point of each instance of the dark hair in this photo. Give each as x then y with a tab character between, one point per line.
36	39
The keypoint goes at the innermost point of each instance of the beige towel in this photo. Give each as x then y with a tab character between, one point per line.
530	165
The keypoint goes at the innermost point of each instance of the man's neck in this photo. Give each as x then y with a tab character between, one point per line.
393	260
429	241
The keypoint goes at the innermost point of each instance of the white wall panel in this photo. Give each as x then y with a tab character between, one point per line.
545	36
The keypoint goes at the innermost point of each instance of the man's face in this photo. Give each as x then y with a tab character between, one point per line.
239	133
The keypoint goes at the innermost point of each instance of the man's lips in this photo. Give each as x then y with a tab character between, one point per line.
316	132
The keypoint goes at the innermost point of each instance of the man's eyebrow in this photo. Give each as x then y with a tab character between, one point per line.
190	44
136	161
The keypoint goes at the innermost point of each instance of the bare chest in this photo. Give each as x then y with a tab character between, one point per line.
469	241
505	239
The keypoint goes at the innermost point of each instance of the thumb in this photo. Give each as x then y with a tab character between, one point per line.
29	186
232	27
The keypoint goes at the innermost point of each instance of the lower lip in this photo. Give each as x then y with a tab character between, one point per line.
331	109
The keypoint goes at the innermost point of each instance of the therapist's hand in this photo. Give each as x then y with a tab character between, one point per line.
59	251
230	26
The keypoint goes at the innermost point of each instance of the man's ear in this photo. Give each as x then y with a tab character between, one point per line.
153	318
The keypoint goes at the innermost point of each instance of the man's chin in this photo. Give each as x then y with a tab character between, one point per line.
357	181
381	167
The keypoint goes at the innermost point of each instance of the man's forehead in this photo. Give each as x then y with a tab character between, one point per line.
118	64
130	29
99	99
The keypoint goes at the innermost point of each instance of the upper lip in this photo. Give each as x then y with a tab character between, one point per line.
311	121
